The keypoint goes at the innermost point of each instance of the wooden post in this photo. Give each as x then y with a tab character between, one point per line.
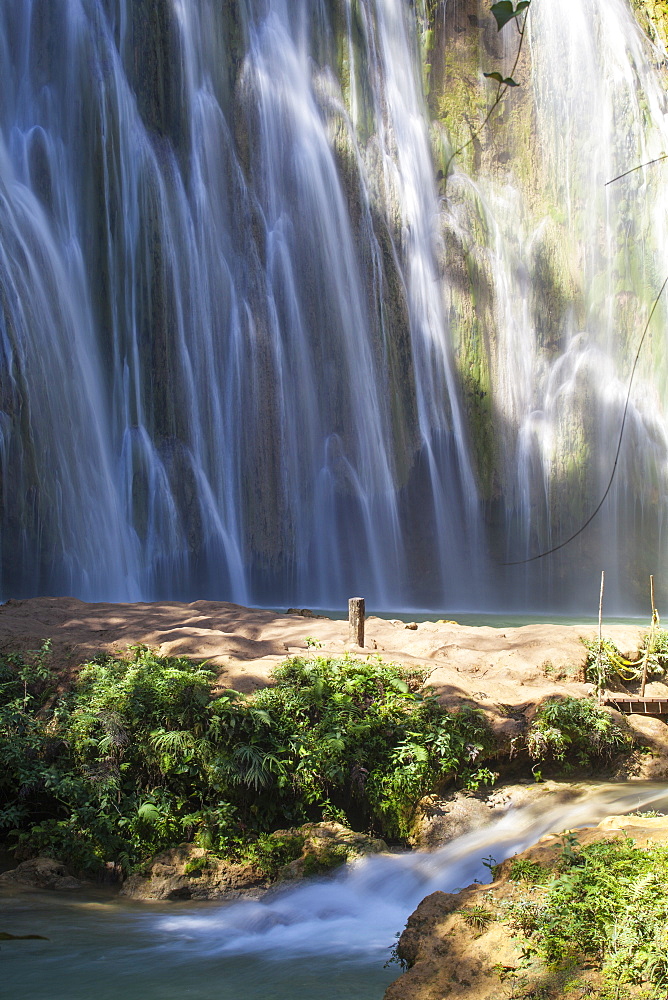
599	665
356	620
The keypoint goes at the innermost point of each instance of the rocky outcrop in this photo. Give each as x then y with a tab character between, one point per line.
326	846
190	872
442	819
41	873
653	18
461	946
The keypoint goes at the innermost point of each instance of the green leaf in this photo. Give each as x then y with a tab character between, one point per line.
504	11
401	687
507	80
148	813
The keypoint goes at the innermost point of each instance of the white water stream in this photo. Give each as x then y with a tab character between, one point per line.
325	936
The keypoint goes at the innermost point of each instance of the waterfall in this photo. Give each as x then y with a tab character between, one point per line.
252	351
572	266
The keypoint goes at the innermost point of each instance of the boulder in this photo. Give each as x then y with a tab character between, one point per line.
652	732
41	873
190	872
439	820
326	846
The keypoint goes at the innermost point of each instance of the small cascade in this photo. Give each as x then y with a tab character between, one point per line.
337	930
359	911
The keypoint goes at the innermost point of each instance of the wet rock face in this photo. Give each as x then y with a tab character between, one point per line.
190	872
439	820
653	18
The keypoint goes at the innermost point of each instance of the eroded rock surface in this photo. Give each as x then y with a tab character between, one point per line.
325	846
504	671
42	873
190	872
460	946
439	820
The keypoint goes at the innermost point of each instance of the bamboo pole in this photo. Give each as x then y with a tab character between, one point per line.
650	639
599	662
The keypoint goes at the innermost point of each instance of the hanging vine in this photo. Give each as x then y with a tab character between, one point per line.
504	12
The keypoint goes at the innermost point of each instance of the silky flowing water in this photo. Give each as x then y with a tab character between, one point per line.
328	936
252	349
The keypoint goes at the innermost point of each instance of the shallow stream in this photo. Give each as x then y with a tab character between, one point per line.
326	937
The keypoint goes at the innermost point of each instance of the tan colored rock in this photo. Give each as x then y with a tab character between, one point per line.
653	733
189	872
326	846
459	945
507	670
439	820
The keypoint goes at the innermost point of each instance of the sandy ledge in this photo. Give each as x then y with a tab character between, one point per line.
504	670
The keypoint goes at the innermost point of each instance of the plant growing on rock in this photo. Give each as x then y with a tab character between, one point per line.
608	907
574	732
143	754
606	662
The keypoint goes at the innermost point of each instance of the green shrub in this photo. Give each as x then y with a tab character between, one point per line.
523	870
608	906
271	852
574	732
325	860
142	755
354	736
477	917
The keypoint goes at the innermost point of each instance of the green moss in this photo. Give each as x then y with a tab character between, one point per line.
324	860
652	16
196	866
273	851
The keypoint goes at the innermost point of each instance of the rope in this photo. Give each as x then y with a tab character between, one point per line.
561	545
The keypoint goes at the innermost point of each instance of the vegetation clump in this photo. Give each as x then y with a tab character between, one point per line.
574	732
144	753
606	907
606	663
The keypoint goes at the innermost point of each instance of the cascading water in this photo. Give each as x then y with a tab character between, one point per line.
336	931
206	411
572	267
249	352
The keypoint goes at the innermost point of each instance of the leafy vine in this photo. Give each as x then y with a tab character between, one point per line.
504	12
